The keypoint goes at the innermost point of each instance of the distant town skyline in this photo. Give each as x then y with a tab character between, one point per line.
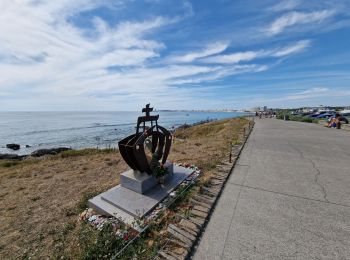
112	55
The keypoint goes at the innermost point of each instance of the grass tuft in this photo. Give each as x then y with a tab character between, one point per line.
8	164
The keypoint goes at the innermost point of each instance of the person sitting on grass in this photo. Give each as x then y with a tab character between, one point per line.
335	122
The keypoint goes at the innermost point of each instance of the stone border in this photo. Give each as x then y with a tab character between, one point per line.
184	236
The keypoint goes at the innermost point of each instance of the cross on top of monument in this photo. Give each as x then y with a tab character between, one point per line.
147	109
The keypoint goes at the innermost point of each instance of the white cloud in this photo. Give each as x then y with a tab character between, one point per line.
298	47
48	51
297	18
251	55
221	72
234	58
211	49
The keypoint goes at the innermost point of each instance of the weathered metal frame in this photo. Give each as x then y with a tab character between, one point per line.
132	147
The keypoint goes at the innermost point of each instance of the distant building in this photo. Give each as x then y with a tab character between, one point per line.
308	110
261	109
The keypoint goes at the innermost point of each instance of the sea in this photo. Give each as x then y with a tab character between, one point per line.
77	130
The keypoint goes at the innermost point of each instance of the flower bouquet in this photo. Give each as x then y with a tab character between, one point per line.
160	172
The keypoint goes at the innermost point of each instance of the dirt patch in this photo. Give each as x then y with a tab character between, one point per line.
42	197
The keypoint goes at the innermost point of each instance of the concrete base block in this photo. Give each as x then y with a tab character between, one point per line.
142	182
129	204
137	181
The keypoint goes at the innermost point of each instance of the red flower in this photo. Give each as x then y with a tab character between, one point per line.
126	237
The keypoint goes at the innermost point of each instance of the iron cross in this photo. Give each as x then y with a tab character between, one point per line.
147	109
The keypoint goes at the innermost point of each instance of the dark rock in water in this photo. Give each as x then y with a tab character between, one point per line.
13	146
28	146
8	156
51	151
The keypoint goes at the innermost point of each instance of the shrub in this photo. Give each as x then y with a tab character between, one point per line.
304	119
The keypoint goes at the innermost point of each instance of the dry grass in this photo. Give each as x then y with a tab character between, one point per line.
41	198
206	145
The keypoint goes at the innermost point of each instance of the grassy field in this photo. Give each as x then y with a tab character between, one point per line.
41	198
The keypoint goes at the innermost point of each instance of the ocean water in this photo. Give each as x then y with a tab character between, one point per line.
83	129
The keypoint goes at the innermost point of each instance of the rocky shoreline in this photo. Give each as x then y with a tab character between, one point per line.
36	153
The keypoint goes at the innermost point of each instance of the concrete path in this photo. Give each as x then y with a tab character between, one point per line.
287	198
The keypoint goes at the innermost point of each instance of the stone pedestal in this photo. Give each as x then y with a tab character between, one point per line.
137	194
142	182
137	181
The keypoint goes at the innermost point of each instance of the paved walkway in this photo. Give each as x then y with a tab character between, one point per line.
287	198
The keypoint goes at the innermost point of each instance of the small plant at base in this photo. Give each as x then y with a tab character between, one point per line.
160	171
157	168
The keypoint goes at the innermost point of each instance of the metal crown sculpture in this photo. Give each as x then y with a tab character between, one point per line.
132	147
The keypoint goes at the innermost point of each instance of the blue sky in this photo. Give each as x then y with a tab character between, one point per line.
121	54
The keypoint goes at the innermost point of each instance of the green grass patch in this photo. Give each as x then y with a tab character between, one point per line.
8	164
13	163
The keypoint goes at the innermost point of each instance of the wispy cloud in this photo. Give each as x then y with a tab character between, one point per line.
211	49
188	8
310	96
297	18
251	55
307	94
292	49
221	72
285	5
234	58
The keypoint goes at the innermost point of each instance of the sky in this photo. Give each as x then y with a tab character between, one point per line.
114	55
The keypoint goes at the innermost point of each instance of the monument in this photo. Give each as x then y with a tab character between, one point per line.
151	177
